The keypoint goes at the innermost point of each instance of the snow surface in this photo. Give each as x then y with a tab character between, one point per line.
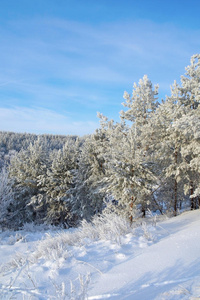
154	260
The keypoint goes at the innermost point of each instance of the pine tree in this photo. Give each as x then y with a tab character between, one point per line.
189	129
166	146
180	114
87	193
6	197
141	104
56	183
190	84
190	90
141	107
24	169
129	176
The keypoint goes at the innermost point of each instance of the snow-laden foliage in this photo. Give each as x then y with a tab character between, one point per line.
107	226
54	186
141	104
24	169
87	195
148	160
6	197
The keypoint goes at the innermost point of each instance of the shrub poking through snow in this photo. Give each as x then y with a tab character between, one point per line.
107	226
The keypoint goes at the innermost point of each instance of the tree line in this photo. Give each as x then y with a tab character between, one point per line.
150	160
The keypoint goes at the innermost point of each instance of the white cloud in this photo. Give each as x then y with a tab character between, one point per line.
39	120
80	68
108	53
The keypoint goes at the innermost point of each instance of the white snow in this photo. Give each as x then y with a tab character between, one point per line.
150	261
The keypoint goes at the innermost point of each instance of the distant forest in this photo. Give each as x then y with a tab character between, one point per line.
150	160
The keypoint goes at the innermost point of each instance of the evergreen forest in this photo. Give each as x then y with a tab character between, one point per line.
149	161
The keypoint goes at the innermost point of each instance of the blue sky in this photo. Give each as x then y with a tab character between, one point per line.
63	61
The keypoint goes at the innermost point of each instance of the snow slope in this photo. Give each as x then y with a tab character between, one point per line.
150	261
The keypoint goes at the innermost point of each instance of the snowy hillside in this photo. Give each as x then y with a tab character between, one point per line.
109	260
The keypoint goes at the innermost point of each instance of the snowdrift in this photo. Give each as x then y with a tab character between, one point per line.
108	259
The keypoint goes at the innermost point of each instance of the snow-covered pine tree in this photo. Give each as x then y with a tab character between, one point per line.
88	194
55	185
188	127
141	104
6	197
166	146
141	107
24	169
129	178
190	84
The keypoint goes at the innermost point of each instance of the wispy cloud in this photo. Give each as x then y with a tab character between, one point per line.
72	66
108	53
39	120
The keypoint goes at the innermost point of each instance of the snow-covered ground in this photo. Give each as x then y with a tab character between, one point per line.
109	260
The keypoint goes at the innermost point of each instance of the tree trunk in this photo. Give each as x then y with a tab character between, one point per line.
131	208
191	193
158	206
175	186
143	212
175	197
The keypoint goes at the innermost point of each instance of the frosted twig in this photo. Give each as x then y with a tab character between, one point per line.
86	263
18	274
